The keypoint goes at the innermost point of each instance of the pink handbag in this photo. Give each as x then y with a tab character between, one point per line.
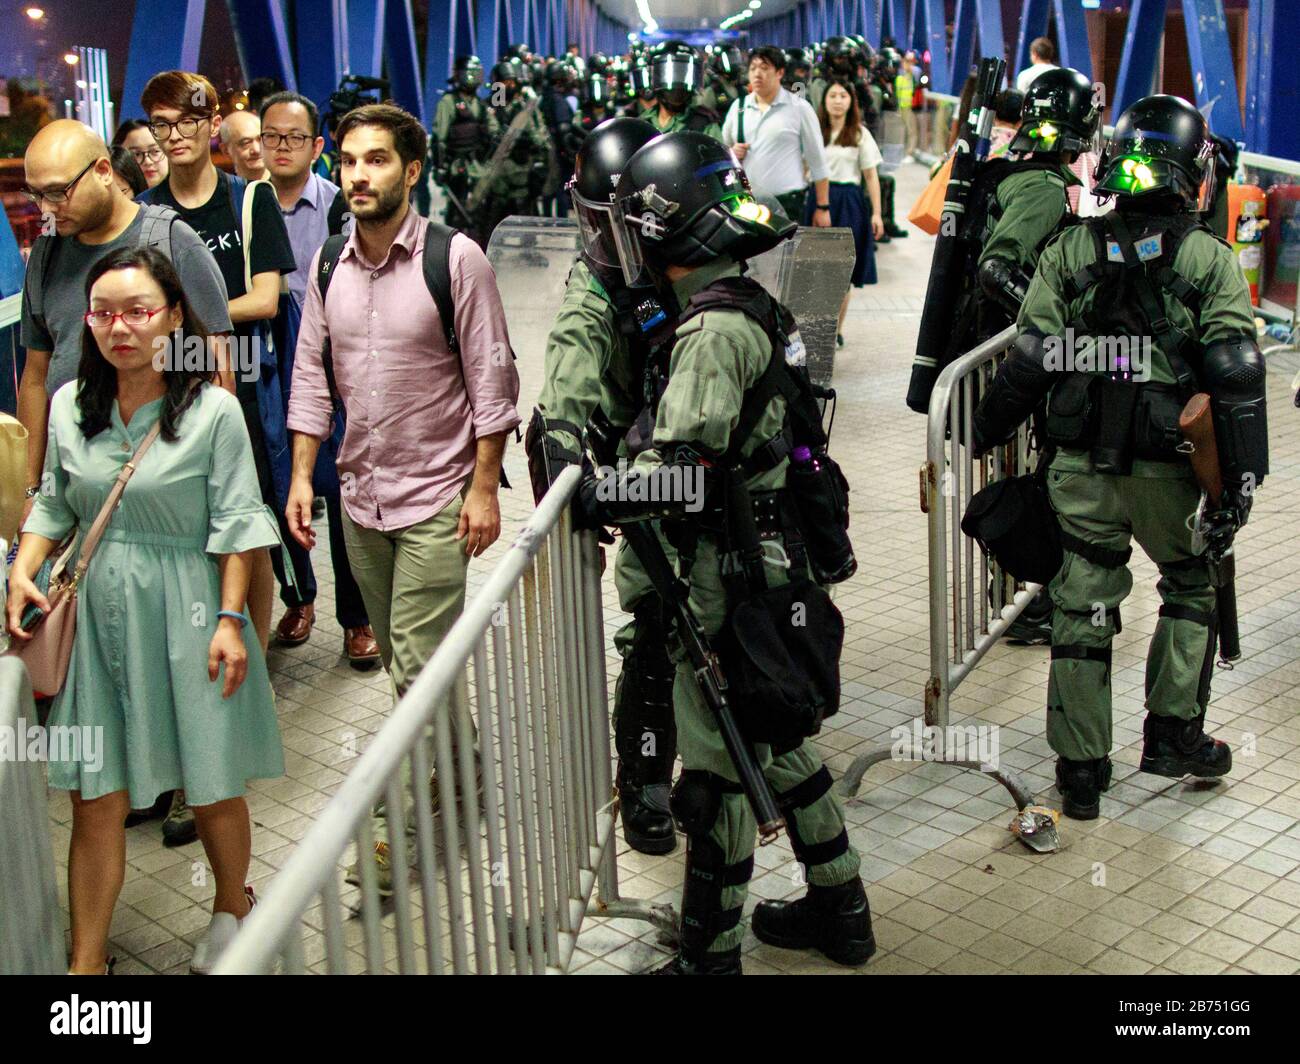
49	650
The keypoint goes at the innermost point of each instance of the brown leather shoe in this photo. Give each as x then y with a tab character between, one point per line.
360	647
294	628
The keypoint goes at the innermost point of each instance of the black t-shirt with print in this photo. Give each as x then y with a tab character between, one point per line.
221	229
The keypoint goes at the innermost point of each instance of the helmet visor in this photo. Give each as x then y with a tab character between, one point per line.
595	227
628	247
675	72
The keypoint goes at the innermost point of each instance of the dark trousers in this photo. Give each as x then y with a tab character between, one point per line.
348	607
792	203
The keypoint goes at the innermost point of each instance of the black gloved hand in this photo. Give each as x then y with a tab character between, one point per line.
588	511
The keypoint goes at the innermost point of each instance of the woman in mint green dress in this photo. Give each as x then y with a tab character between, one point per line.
160	662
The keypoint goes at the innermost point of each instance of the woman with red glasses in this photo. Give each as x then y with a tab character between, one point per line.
164	674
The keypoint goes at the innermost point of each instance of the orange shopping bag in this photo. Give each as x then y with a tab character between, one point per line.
928	208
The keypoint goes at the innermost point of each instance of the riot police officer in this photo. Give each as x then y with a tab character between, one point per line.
463	130
726	80
564	136
596	346
839	59
516	179
798	69
597	97
684	219
884	103
1016	207
1152	270
675	70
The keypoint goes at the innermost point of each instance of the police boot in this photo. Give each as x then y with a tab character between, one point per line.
646	741
1081	784
834	920
1175	748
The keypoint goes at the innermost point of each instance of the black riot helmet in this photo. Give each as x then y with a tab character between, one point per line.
600	162
467	72
641	74
727	61
596	88
866	53
684	200
840	56
508	74
798	66
1059	113
1161	144
886	62
598	63
675	65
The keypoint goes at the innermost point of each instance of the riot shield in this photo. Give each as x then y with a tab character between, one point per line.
892	138
532	258
809	273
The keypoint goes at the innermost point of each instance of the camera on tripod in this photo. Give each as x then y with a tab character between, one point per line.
353	91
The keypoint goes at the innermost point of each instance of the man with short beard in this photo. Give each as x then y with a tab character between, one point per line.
426	424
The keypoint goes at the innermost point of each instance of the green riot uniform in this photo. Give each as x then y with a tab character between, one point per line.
518	180
1100	513
463	129
1028	208
719	94
695	118
716	357
817	92
589	363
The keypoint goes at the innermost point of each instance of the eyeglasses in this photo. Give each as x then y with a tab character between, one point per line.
296	141
58	195
141	154
186	127
103	319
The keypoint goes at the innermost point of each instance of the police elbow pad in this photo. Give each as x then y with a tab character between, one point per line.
1004	282
1021	382
1235	378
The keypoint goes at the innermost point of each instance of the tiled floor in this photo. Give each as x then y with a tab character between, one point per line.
1174	877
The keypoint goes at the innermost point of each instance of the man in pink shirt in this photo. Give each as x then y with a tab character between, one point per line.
426	427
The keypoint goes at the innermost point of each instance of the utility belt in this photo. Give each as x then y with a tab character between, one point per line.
1116	420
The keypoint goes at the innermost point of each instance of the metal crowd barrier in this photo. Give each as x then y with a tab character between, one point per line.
31	923
495	886
972	601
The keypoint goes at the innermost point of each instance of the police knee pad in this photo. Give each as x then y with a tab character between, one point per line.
696	801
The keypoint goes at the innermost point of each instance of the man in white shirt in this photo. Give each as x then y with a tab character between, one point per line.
774	133
1042	58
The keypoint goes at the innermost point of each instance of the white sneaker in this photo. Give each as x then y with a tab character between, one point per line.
220	933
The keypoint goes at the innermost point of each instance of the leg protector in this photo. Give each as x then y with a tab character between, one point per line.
696	801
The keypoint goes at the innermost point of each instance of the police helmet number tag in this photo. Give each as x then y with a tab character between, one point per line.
1148	248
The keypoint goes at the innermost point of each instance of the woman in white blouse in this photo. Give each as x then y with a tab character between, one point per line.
852	155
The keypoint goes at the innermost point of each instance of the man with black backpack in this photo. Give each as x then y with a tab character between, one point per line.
736	419
403	327
1127	317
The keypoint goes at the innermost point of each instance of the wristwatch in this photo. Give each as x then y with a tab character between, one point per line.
33	491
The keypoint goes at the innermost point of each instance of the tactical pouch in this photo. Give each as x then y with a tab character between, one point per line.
780	651
1113	450
1013	520
1156	435
1072	411
820	494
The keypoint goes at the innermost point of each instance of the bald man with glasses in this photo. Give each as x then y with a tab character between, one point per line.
85	216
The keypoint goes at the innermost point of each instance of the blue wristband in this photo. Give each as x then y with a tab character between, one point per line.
243	621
